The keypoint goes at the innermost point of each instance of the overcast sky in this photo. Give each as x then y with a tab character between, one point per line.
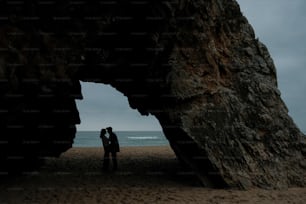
104	106
279	24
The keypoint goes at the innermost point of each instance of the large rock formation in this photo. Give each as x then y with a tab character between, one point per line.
195	65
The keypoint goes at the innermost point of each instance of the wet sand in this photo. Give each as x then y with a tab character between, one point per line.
145	175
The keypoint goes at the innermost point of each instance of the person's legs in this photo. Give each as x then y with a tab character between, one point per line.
106	160
114	160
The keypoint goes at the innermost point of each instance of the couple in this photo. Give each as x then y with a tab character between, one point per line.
111	145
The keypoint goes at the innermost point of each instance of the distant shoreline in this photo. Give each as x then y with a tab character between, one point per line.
126	138
126	147
122	131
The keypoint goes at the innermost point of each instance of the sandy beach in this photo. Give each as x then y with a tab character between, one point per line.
145	175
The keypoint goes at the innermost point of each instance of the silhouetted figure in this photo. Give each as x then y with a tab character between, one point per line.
106	146
114	146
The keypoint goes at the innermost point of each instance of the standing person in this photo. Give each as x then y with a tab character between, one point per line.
114	146
106	146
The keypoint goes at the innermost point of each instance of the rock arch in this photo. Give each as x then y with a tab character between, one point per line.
195	65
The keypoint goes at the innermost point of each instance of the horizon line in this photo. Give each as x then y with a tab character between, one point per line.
122	130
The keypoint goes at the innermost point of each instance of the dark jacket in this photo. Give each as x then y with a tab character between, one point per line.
114	144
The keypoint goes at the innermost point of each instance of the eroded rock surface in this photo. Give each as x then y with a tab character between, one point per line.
195	65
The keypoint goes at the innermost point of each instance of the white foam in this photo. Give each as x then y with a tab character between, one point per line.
143	138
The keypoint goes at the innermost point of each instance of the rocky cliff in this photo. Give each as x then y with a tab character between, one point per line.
195	65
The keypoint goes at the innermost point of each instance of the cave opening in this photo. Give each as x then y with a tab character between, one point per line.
144	149
103	106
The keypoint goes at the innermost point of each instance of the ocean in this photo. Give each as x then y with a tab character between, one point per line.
126	138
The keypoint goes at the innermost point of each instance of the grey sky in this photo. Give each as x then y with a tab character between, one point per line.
104	106
279	24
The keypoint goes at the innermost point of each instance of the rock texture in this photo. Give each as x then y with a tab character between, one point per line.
195	65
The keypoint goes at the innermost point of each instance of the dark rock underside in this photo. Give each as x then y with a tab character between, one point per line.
195	65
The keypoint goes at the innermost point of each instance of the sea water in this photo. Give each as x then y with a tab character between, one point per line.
126	138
